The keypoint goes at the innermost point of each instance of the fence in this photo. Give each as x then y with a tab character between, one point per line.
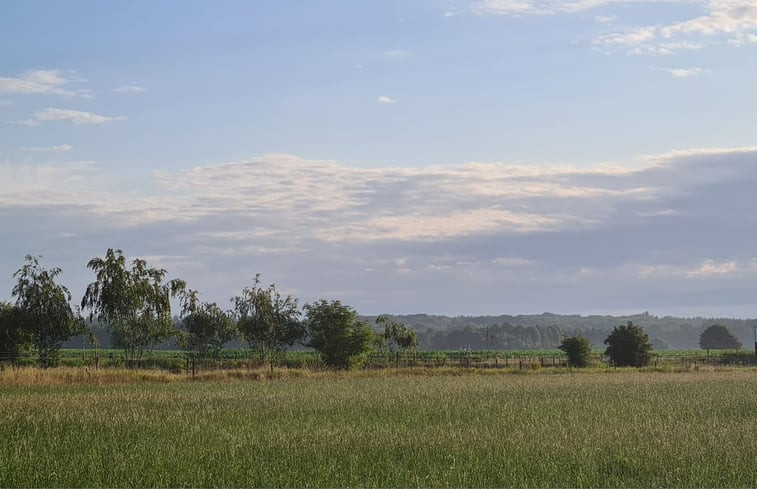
189	362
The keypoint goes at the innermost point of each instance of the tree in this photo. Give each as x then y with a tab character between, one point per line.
206	326
718	337
268	322
628	346
395	335
45	310
578	350
134	303
14	338
335	332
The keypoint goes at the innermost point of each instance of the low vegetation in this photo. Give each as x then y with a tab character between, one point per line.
628	429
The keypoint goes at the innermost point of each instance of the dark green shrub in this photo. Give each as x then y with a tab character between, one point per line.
628	346
336	333
578	350
718	337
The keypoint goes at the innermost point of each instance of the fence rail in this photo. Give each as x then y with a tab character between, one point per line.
189	362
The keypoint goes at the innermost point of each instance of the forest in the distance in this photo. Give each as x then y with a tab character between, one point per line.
528	332
544	331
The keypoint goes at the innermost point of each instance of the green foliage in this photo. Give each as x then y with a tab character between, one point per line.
205	325
268	322
134	303
682	430
44	309
14	338
628	346
522	332
718	337
335	331
395	335
578	350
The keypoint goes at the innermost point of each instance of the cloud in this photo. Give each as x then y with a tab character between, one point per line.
673	230
512	262
383	99
605	19
686	72
397	54
75	116
48	184
742	39
712	267
726	22
544	7
58	148
45	82
129	89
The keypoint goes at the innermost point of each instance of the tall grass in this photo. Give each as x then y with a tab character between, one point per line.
628	429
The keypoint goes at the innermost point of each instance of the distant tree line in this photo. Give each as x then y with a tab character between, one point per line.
504	336
664	332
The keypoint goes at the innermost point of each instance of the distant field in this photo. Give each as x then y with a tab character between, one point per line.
622	429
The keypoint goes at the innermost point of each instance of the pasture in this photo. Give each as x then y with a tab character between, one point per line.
378	429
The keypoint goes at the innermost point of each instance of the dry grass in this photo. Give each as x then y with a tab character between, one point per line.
33	376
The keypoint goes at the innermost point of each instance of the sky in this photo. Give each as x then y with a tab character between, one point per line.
416	156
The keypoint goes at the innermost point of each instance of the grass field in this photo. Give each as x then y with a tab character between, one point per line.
621	429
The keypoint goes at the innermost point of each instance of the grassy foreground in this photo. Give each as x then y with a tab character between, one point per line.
627	429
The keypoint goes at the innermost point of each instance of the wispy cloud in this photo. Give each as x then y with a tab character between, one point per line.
45	82
397	54
383	99
48	184
56	149
75	116
742	39
728	22
686	72
509	261
712	267
130	89
543	7
610	235
605	19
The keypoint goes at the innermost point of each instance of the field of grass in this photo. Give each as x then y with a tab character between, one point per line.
621	429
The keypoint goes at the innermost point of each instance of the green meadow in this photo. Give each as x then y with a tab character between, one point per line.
384	429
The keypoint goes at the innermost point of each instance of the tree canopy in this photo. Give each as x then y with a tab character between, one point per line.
268	321
578	350
14	337
628	346
335	332
206	326
44	309
395	335
134	303
718	337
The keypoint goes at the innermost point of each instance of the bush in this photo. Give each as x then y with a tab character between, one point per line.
718	337
336	333
628	346
578	350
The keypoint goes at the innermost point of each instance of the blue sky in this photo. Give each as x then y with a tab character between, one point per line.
455	157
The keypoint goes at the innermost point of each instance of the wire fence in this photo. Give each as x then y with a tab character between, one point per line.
193	362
